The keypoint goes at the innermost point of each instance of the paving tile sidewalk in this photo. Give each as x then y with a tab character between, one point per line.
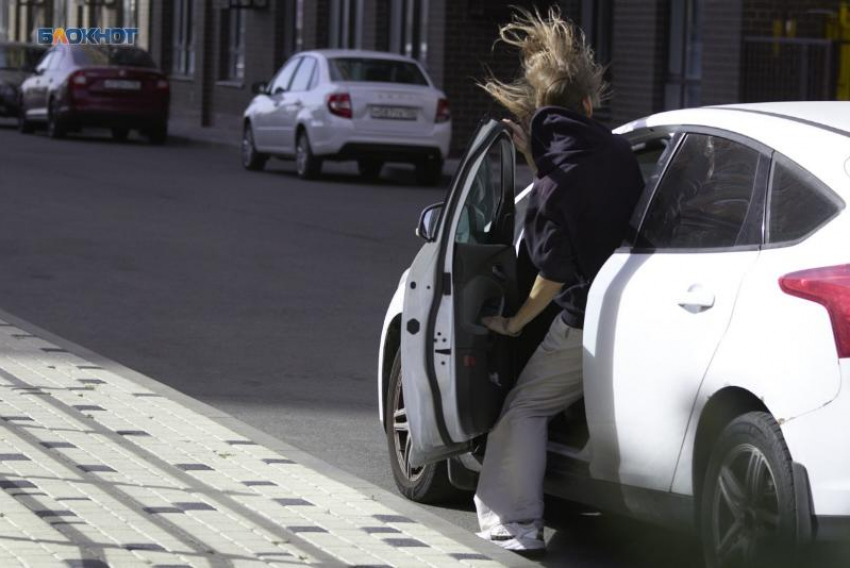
100	466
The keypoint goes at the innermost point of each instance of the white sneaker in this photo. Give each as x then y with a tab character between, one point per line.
517	537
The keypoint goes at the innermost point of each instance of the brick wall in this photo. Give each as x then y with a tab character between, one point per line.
470	28
721	65
639	53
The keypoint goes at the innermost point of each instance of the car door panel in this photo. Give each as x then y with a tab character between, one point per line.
657	312
647	353
267	115
484	287
453	386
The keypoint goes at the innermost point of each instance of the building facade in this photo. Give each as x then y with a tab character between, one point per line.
661	54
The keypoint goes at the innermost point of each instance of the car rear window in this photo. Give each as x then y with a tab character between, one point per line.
106	56
799	202
371	70
19	57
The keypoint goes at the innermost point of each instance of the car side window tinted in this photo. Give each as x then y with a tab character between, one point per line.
45	62
283	78
479	215
301	81
799	203
705	198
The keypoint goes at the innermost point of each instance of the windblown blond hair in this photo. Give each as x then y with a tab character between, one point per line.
558	66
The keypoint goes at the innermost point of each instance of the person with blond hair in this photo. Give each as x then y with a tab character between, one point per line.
586	185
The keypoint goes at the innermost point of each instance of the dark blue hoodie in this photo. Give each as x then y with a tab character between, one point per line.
588	183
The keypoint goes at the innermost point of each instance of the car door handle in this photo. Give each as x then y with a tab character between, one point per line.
499	272
696	299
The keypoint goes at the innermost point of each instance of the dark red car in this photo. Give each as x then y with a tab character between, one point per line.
79	86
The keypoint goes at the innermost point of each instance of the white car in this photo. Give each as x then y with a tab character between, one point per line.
349	105
716	339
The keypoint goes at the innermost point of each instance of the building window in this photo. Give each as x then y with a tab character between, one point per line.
183	62
409	28
233	60
346	24
684	67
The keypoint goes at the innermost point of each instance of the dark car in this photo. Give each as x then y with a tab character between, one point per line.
79	86
17	62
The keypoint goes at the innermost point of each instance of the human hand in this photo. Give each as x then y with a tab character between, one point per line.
519	136
501	325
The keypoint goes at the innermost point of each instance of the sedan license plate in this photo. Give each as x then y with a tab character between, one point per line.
393	113
122	84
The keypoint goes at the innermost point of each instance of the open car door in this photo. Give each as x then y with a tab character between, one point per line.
456	373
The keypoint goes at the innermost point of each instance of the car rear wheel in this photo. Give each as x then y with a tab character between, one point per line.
158	134
251	159
120	134
370	169
427	484
429	172
24	125
748	515
307	165
55	128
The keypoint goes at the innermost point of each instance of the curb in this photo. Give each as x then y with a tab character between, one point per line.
396	502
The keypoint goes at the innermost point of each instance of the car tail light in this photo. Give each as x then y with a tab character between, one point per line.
340	104
162	84
830	287
444	113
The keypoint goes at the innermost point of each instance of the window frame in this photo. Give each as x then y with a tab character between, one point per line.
235	30
763	169
183	56
824	189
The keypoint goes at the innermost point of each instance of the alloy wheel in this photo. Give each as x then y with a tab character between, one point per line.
401	436
746	512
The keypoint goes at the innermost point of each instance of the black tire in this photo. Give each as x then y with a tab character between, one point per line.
749	511
370	169
120	134
429	172
24	125
428	484
307	165
251	159
55	128
158	135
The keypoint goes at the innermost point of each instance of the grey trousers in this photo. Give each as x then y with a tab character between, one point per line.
510	488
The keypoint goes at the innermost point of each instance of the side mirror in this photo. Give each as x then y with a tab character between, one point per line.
428	222
38	71
259	88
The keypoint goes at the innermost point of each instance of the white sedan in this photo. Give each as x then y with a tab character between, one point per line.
349	105
716	339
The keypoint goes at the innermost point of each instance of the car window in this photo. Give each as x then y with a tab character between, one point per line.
284	76
373	70
106	56
44	64
56	60
478	216
705	197
799	203
649	156
301	80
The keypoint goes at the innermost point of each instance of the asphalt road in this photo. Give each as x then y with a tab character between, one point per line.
258	293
